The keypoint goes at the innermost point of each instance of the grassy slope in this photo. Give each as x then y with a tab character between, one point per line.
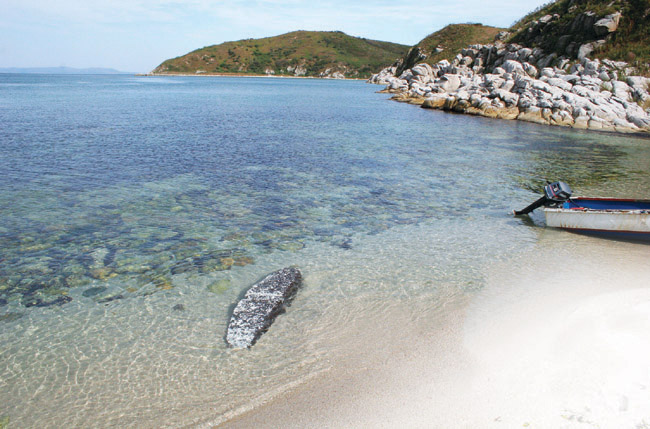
631	42
316	51
453	38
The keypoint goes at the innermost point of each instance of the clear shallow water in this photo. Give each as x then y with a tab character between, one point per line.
125	196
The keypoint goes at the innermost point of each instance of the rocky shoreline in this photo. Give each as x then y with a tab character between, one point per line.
509	81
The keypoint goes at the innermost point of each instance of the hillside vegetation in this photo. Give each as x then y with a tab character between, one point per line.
564	26
445	44
299	53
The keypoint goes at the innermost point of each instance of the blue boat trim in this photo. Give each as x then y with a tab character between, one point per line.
606	204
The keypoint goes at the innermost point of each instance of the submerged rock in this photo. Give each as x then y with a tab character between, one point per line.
109	299
220	286
90	292
38	302
255	313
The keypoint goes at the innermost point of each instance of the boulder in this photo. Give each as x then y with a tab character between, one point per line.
560	83
422	69
585	50
639	82
530	70
532	114
255	313
513	67
435	101
621	90
642	122
607	25
586	96
449	82
547	60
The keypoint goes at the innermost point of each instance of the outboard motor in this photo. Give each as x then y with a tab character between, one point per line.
554	193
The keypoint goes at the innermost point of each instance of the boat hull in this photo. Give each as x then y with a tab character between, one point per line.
628	219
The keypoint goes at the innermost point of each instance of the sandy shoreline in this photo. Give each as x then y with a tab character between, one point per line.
562	348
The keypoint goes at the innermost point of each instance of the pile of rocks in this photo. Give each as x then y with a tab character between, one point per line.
513	82
510	81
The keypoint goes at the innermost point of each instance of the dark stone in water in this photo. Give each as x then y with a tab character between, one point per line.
94	291
183	267
109	299
110	256
32	288
3	302
38	302
179	307
345	244
255	313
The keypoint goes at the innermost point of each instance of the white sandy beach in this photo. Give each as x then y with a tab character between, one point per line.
558	337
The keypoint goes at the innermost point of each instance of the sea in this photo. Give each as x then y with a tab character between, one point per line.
135	211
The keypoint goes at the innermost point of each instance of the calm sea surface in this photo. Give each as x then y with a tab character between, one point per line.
134	211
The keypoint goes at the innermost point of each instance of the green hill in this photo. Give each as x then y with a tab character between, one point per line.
445	44
563	26
299	53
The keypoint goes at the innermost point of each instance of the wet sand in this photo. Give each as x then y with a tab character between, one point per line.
558	337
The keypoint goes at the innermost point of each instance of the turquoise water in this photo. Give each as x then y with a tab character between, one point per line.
135	210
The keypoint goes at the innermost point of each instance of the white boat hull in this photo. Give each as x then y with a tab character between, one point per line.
630	221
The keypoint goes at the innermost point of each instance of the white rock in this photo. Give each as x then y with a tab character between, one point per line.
638	81
449	82
526	102
406	75
422	69
508	85
530	69
640	121
508	97
475	99
466	61
621	90
571	78
561	105
563	63
607	25
514	67
560	83
624	124
576	69
541	86
548	72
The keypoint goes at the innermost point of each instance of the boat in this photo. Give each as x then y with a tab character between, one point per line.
620	218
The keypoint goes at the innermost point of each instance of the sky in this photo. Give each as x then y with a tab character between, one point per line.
137	35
